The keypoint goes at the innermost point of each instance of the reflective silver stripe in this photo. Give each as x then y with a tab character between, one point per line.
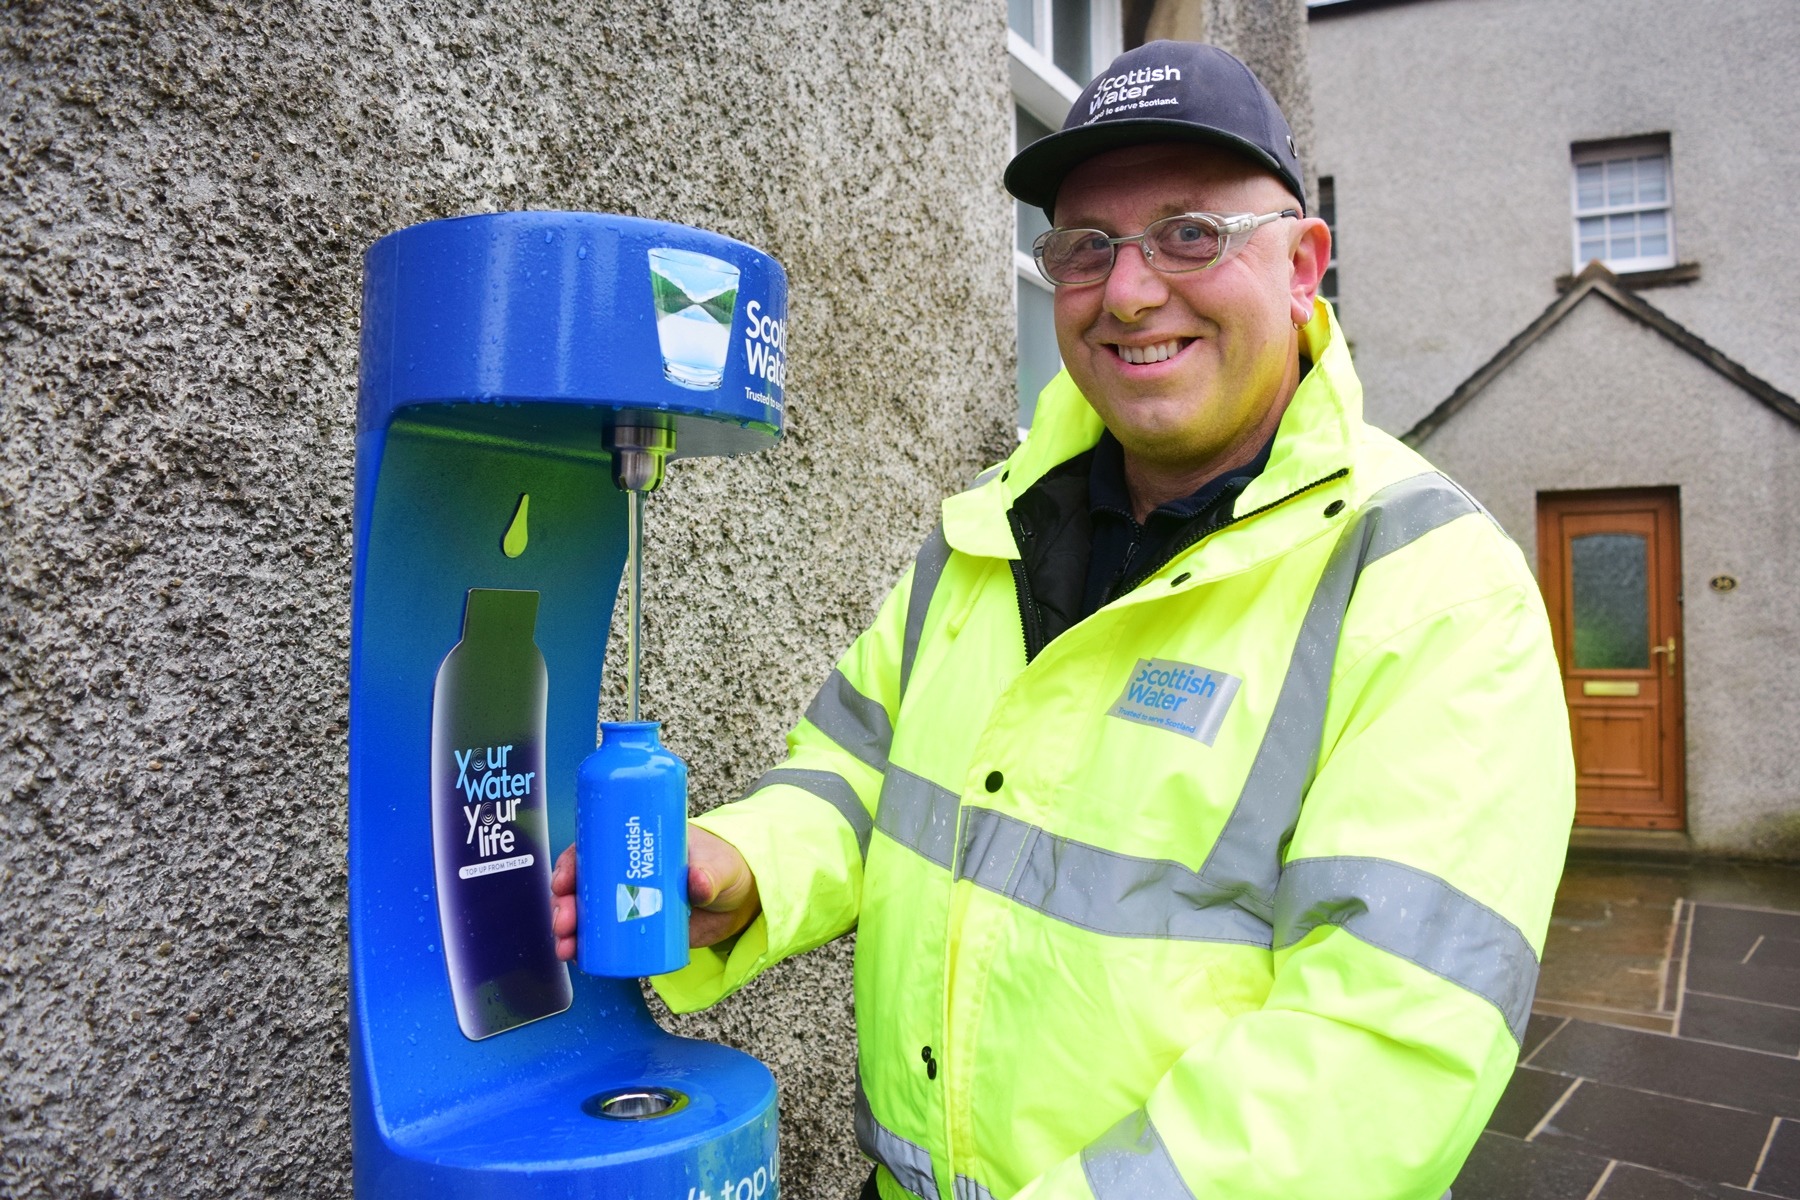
909	1164
1402	513
1246	860
933	555
834	789
918	814
1418	917
852	720
1099	890
986	475
1130	1162
967	1189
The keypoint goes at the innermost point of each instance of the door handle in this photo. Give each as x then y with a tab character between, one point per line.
1667	648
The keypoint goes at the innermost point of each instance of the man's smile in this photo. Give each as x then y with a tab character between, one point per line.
1154	353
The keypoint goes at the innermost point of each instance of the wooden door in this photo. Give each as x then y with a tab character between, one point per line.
1610	567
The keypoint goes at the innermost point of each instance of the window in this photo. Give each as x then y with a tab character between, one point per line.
1053	49
1328	287
1622	200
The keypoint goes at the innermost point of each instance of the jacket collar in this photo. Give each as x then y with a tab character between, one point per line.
1315	441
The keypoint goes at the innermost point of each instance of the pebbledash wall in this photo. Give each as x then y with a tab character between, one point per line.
1448	127
187	191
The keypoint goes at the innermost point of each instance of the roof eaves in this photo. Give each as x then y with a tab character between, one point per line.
1345	8
1597	279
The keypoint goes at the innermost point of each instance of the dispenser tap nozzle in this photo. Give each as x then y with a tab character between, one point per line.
638	454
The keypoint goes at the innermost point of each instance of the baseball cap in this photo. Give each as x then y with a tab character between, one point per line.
1162	92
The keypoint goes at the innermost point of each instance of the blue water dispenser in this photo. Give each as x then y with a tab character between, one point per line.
524	377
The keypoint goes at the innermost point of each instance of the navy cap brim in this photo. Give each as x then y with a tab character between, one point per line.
1036	172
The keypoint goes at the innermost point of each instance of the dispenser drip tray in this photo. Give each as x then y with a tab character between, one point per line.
634	1104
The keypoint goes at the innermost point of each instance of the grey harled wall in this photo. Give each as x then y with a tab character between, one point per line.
1447	125
1650	414
187	189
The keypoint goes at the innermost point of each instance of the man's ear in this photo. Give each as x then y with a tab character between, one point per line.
1309	255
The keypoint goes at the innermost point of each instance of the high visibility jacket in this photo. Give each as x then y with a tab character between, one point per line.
1236	889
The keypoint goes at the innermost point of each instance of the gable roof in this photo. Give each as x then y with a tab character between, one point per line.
1339	8
1598	281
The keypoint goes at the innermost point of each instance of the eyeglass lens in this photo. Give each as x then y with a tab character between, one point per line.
1174	244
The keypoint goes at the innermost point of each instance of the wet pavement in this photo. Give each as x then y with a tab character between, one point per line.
1663	1055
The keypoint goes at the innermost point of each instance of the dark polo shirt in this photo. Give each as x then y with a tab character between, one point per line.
1125	552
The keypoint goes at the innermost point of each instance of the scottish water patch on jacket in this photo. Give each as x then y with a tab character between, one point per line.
1177	696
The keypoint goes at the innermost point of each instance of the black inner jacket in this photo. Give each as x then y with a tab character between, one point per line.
1053	526
1058	581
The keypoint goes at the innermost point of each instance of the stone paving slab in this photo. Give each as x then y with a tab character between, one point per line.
1671	1066
1662	1061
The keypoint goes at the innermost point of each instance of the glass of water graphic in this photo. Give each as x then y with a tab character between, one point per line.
695	295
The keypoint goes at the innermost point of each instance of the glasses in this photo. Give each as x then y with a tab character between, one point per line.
1173	245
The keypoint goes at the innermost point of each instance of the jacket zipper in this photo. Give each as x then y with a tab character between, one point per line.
1029	624
1137	538
1032	628
1201	532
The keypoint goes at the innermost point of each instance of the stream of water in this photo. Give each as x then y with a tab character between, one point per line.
634	595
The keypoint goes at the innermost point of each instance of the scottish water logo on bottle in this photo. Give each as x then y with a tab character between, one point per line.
631	855
639	900
636	902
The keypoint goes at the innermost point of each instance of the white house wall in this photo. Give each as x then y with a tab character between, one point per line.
1601	401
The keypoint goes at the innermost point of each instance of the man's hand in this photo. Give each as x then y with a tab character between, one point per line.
721	893
721	889
562	904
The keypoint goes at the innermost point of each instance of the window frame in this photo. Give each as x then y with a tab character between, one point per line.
1612	150
1046	92
1327	186
1037	82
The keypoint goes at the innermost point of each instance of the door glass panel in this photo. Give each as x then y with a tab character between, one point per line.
1612	600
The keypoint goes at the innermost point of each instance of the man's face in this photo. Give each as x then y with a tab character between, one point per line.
1185	369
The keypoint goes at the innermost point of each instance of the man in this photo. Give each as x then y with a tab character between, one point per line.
1200	795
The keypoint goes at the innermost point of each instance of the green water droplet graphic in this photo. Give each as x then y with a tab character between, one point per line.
513	544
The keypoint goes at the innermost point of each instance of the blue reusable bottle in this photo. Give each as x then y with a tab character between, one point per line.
631	851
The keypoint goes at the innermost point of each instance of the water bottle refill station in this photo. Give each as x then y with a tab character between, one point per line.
523	378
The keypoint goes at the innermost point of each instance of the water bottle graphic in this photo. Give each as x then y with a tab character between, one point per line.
695	295
489	826
631	839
